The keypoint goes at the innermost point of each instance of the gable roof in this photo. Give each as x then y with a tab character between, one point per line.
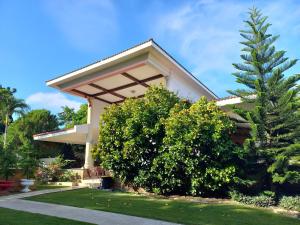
125	53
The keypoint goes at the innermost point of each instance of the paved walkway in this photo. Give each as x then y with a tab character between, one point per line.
34	193
74	213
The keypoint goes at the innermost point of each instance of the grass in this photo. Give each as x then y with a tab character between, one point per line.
178	211
14	217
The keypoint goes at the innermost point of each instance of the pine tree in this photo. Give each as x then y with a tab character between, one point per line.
275	117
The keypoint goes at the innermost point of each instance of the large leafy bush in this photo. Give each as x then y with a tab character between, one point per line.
197	156
132	133
165	145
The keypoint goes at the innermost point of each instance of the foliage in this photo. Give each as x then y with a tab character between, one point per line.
69	117
281	167
197	156
74	153
7	163
22	130
27	160
68	176
10	105
263	200
164	145
42	175
290	202
131	134
54	171
275	117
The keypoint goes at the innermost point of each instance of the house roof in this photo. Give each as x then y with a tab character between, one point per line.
74	135
144	47
98	61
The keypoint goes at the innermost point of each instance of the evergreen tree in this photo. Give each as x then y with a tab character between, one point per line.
275	117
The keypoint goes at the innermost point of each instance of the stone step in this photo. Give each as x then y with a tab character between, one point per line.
91	183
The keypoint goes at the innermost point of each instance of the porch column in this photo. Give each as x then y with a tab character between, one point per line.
89	161
95	108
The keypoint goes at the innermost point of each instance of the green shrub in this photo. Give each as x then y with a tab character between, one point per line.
27	160
264	201
7	163
131	134
54	171
261	200
68	176
198	156
290	202
169	146
269	193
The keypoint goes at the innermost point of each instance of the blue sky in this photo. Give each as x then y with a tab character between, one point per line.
41	39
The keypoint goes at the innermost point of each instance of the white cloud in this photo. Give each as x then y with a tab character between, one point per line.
51	101
206	31
87	24
205	34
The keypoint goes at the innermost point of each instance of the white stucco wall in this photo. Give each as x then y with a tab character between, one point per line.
185	87
96	107
177	80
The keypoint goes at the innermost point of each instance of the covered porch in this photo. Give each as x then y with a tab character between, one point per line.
127	74
110	81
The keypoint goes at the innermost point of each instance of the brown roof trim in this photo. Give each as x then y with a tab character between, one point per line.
112	91
106	90
137	81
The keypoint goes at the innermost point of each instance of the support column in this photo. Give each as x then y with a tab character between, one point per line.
95	108
89	161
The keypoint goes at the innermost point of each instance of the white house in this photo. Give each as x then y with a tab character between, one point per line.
123	75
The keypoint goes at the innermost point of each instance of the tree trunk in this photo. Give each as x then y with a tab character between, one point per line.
5	130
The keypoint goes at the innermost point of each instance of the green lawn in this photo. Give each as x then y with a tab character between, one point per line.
185	212
14	217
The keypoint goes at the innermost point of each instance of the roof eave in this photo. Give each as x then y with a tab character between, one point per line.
148	44
54	82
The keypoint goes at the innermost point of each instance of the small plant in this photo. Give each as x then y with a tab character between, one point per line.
269	194
7	163
266	199
42	174
28	162
290	202
68	176
54	171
